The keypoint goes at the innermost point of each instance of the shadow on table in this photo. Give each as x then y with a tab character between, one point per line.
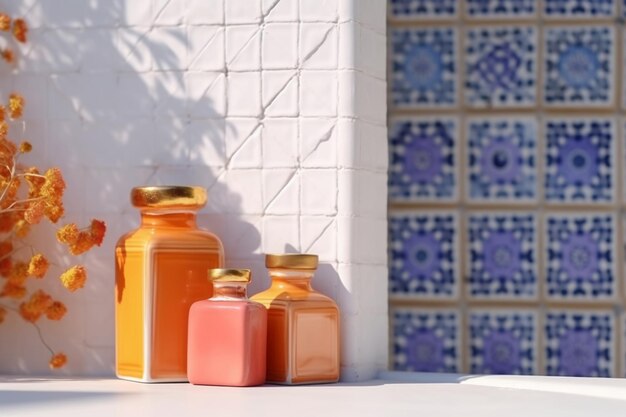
32	398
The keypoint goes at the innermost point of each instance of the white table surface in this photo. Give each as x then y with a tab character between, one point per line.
393	394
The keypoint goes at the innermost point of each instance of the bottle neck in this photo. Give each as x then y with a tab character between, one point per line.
291	278
167	218
229	291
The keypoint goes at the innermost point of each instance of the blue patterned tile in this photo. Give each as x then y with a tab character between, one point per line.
579	8
501	159
580	161
423	162
501	66
580	257
502	256
503	342
500	9
426	340
579	66
420	9
580	343
423	255
424	67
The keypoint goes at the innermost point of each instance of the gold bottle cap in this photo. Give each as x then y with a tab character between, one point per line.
229	275
170	196
291	261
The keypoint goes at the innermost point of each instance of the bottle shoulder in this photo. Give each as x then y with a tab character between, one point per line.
277	295
216	304
145	238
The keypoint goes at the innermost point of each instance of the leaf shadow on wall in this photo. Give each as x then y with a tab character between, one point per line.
120	108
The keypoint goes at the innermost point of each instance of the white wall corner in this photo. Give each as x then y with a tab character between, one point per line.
362	182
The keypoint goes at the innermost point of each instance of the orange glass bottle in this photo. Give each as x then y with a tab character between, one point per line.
160	271
302	324
227	334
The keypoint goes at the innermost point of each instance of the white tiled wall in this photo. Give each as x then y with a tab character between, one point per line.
276	106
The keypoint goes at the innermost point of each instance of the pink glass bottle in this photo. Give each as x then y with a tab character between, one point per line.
227	334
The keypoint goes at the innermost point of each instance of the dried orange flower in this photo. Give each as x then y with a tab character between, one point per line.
19	273
97	230
35	212
56	311
20	30
6	265
5	22
52	191
36	306
8	55
80	241
68	233
13	290
7	221
3	313
4	129
57	361
74	278
21	228
38	266
6	247
16	106
25	147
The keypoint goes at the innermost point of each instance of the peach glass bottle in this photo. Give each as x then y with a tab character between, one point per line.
160	271
302	324
227	334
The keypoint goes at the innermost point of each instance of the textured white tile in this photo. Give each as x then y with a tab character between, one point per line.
318	10
243	46
363	96
53	51
280	42
199	175
318	45
169	93
281	191
243	94
312	101
134	98
134	53
365	193
245	191
206	94
109	189
370	13
319	236
243	143
136	13
363	240
278	232
172	150
280	143
206	48
168	12
34	89
364	145
243	11
204	12
168	47
203	142
318	143
280	11
319	191
280	93
239	234
100	53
